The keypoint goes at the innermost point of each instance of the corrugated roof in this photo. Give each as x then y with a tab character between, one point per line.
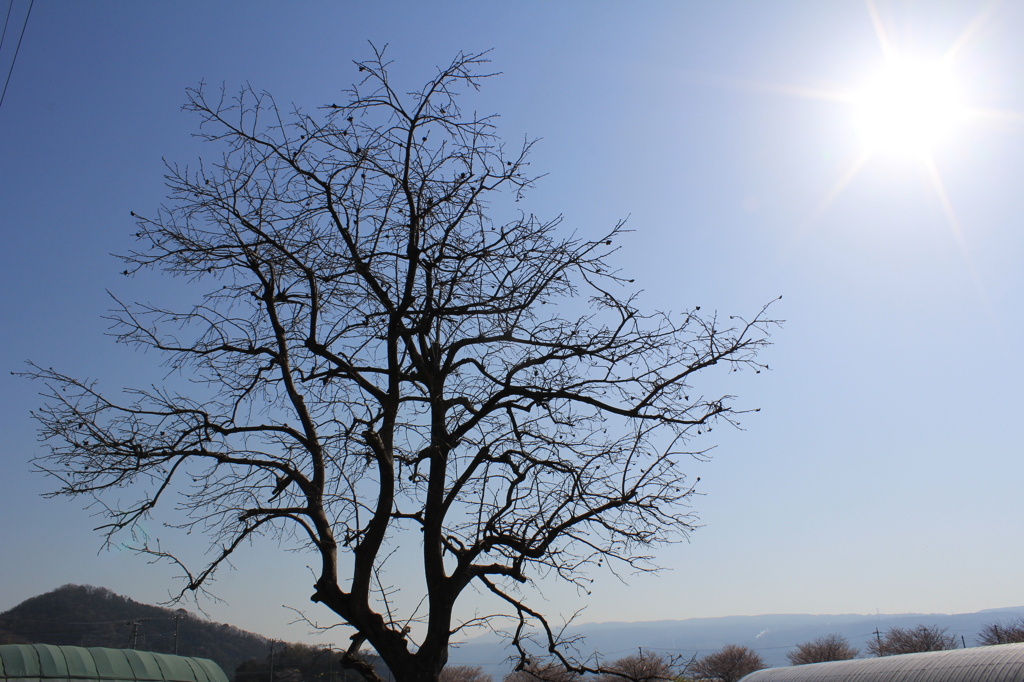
46	663
999	663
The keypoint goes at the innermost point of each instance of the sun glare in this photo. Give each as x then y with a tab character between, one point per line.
909	106
907	109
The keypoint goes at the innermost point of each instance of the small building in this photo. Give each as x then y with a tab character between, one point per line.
49	663
998	663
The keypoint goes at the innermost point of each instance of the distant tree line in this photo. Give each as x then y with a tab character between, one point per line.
897	641
297	663
732	662
302	663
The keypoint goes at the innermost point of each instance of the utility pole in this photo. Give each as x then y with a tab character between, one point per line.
272	660
133	638
878	635
177	617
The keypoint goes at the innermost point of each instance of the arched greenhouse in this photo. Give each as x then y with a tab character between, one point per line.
46	663
999	663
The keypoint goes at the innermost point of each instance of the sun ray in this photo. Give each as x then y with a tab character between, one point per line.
751	85
883	38
944	202
954	224
971	31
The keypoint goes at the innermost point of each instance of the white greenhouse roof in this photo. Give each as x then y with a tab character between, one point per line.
999	663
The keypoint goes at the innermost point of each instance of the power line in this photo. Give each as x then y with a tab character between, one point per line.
7	19
17	47
19	619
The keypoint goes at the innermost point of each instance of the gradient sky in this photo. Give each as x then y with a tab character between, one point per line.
884	471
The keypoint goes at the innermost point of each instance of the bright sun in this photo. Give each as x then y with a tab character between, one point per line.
909	106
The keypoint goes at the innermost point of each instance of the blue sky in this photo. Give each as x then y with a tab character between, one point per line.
883	471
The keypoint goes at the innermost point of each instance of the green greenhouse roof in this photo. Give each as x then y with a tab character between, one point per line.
44	662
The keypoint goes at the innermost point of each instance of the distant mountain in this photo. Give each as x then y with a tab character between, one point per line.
771	635
82	615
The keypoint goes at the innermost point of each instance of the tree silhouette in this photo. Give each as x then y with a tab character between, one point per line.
644	666
1002	633
391	364
823	649
464	673
912	640
728	664
542	671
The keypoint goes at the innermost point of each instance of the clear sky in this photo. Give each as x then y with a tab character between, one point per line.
884	470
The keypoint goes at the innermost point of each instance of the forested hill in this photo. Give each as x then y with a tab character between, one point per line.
82	615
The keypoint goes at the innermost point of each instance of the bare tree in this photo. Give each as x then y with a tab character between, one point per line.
823	649
1002	633
728	665
912	640
536	671
391	364
464	673
644	666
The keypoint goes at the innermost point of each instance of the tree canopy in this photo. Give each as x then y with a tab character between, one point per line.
1002	632
728	664
389	360
823	649
643	666
912	640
